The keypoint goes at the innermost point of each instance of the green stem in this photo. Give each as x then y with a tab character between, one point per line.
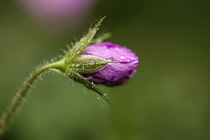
18	99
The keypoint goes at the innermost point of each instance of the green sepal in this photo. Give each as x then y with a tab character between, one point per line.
78	78
101	38
88	64
85	41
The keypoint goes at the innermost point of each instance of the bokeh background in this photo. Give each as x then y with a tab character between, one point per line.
167	99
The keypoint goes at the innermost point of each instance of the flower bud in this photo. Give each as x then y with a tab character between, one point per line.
112	74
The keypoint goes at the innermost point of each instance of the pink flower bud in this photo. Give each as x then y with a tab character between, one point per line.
112	74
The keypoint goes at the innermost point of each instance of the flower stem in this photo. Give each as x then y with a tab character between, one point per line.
18	99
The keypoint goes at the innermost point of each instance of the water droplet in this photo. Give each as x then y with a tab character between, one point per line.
85	92
105	96
122	57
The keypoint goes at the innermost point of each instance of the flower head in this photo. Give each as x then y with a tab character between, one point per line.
112	74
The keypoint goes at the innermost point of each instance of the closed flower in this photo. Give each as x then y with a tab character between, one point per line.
112	74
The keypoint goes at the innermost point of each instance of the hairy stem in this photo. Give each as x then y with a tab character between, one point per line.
18	99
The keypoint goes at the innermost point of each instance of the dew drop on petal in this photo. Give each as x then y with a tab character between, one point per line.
122	57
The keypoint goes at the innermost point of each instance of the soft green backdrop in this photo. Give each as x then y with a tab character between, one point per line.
167	99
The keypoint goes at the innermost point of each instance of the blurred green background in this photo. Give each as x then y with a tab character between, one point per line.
167	99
